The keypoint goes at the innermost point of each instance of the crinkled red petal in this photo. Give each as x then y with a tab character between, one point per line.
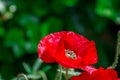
52	49
85	51
104	74
48	46
82	76
99	74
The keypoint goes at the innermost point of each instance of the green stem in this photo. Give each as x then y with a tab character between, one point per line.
43	75
60	76
66	73
59	73
21	76
114	65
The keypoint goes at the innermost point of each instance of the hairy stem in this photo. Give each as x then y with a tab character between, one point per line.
43	75
59	73
66	73
21	75
117	52
60	76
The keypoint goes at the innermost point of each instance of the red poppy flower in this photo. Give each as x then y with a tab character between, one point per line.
100	74
69	49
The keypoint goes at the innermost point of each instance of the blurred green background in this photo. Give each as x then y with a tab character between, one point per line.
24	22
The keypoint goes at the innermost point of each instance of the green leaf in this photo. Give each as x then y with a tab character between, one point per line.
105	8
41	8
44	29
69	3
18	51
57	7
34	76
100	24
46	68
27	68
14	36
29	46
15	39
6	59
43	75
28	21
2	32
1	77
37	65
109	9
52	24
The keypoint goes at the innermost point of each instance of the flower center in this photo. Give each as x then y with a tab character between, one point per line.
70	54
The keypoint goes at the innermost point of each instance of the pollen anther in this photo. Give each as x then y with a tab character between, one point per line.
70	54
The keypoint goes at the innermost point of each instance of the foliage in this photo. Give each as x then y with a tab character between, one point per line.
24	22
